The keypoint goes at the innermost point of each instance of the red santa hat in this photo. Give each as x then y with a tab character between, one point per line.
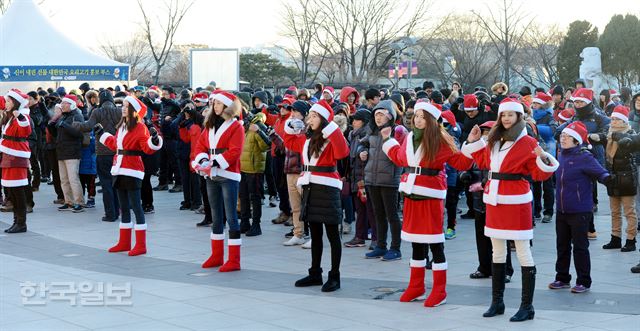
323	109
567	114
425	105
449	117
154	89
288	101
138	105
72	100
583	94
22	98
541	98
510	104
200	97
224	97
579	132
621	112
613	93
470	102
329	89
487	125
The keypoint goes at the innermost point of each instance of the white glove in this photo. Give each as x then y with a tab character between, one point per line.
297	125
595	137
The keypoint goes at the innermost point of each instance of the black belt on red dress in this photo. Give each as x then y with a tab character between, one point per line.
14	138
306	168
422	171
215	151
127	152
504	176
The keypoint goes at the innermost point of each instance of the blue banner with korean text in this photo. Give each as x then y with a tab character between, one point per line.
63	73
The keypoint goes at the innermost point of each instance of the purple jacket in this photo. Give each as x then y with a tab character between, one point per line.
574	175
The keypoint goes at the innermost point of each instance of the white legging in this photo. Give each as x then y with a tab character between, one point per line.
523	251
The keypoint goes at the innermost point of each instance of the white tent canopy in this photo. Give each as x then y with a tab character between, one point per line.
54	58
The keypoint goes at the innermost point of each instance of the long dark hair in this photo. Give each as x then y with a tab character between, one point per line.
317	140
130	120
434	135
9	112
498	130
607	98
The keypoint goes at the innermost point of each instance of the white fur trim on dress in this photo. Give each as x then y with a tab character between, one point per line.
14	182
104	136
15	152
26	123
386	147
221	161
510	199
470	148
422	191
216	236
329	129
547	168
234	242
508	234
439	266
289	130
127	172
422	238
155	147
417	263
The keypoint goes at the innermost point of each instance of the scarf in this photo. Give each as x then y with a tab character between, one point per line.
612	146
417	138
512	133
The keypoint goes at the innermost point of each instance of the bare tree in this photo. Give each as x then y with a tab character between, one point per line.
175	10
133	52
506	28
358	33
4	5
536	62
300	24
463	52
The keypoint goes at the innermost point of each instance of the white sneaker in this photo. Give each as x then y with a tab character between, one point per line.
346	228
293	241
307	245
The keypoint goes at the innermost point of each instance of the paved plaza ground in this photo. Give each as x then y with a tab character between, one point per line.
169	290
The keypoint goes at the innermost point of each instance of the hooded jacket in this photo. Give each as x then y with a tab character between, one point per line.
344	96
379	170
574	177
596	122
546	128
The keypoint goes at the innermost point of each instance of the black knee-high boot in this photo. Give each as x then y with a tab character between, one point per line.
526	311
497	290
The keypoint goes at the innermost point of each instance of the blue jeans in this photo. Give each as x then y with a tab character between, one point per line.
109	199
223	198
347	207
130	199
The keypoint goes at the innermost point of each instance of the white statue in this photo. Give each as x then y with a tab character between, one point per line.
591	68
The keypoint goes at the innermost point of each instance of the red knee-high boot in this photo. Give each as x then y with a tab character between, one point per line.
416	282
141	240
217	251
124	243
438	294
233	262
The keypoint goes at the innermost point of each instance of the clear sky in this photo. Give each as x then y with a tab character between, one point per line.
239	23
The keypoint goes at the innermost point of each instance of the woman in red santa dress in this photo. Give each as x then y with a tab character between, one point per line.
423	155
510	154
217	158
16	127
131	140
320	148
